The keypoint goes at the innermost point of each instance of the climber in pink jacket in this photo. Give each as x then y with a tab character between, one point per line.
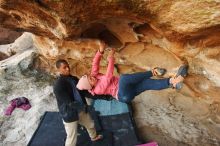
125	87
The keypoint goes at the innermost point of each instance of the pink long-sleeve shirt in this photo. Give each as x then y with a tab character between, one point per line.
107	84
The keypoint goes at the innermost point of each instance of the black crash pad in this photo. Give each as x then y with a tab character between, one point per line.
122	128
116	117
51	132
112	117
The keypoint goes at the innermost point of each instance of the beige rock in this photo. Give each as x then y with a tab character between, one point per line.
8	36
145	34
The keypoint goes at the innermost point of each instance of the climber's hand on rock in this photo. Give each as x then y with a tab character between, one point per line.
111	52
102	47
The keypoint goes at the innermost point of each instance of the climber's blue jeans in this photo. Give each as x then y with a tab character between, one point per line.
131	85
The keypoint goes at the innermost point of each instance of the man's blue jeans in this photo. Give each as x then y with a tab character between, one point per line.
131	85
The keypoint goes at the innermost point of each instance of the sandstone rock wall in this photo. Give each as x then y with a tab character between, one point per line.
146	34
8	36
180	19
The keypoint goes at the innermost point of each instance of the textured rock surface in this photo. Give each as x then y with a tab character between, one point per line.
8	36
67	19
146	34
17	79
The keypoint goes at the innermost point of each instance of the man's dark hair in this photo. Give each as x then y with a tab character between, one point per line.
59	62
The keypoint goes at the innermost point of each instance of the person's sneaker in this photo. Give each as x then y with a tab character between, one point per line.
97	138
157	71
183	70
177	80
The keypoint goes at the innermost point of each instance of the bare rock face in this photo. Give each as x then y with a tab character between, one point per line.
8	36
3	56
22	43
145	34
68	19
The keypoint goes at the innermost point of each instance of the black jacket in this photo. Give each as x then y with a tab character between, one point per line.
67	106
